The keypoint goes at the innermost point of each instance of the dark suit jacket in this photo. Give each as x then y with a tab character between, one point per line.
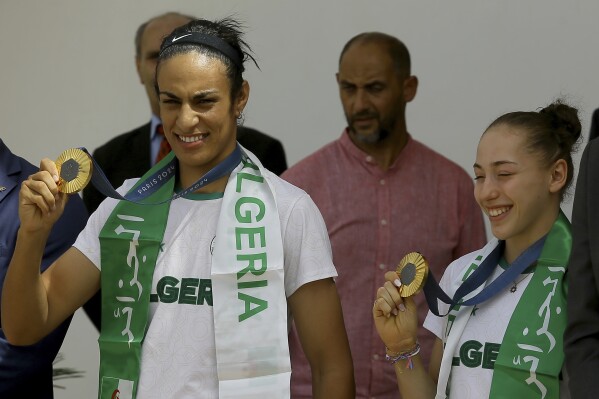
26	371
268	149
582	333
128	155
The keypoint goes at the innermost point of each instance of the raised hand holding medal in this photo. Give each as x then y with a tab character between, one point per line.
413	275
395	312
44	194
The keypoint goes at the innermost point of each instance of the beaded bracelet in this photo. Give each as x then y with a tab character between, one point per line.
395	357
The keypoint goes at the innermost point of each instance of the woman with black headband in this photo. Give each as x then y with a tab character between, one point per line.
504	312
196	291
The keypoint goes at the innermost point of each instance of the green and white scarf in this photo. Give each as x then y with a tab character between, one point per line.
250	308
531	355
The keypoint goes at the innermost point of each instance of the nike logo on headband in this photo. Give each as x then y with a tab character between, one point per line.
180	37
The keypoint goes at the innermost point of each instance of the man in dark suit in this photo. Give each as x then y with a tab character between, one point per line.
582	334
131	154
26	371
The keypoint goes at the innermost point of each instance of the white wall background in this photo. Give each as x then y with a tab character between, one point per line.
67	77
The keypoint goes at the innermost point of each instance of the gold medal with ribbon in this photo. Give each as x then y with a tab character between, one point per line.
74	170
412	271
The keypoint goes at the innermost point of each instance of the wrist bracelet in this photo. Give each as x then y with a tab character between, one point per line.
395	357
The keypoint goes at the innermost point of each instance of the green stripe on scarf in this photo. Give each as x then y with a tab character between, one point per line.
130	242
531	355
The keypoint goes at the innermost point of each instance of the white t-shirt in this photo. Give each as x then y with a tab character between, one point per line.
479	344
178	353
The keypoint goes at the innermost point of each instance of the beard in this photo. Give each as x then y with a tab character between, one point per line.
371	137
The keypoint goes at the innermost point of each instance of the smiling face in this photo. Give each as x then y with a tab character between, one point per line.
519	195
198	114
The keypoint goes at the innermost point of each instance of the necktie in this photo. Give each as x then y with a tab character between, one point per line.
165	147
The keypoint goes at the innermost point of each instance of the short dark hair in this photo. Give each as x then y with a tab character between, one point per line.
397	49
552	133
229	30
142	28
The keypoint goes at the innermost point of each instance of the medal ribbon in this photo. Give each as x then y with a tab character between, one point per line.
152	181
478	277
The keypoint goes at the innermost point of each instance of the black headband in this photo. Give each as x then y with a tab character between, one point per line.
207	40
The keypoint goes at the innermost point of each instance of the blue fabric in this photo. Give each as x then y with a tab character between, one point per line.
155	140
480	275
26	371
165	170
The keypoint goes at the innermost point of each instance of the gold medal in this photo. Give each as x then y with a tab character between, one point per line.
412	271
74	170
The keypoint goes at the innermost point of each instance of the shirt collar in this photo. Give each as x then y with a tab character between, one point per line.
365	158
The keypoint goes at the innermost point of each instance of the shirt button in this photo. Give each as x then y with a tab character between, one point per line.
382	266
375	357
384	222
368	158
382	181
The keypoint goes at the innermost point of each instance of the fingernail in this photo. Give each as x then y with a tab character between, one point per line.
397	282
55	177
402	307
395	312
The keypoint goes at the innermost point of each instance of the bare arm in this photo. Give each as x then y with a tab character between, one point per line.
34	304
396	321
315	305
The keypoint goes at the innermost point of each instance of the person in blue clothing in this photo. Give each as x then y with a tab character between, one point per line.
26	371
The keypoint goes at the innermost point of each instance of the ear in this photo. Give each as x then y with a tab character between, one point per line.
242	98
559	174
410	87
